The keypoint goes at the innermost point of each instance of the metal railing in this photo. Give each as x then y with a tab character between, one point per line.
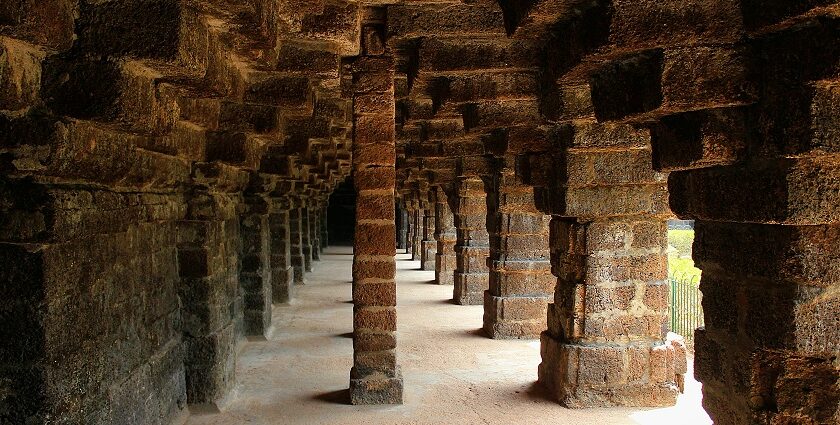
686	311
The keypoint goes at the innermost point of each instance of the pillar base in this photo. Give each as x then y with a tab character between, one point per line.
297	275
376	389
470	287
282	283
639	375
514	317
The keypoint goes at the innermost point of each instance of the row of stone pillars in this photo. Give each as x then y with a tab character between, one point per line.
485	237
240	250
589	282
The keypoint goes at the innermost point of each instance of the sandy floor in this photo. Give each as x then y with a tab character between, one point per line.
452	373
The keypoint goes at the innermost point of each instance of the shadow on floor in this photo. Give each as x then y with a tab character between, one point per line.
477	333
334	397
537	392
345	335
449	301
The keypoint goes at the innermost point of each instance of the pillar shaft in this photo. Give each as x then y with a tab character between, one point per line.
325	240
255	269
428	243
210	296
296	244
375	377
402	228
306	238
282	275
768	350
606	340
472	246
416	233
446	237
314	232
521	283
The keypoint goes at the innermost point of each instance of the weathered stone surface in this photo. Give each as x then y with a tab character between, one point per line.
375	377
165	166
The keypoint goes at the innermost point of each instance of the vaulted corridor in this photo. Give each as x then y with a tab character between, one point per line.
454	374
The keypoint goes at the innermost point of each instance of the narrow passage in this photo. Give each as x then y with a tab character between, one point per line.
453	374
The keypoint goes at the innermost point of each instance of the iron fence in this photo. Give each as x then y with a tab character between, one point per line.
686	311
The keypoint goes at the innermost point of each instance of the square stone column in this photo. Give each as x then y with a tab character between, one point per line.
255	269
766	238
208	263
282	274
296	244
375	377
473	242
606	340
445	235
207	295
314	232
521	283
325	240
428	243
403	241
416	233
306	237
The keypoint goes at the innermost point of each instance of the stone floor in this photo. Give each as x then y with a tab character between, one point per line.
453	375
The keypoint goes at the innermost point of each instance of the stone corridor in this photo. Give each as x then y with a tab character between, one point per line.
169	172
452	373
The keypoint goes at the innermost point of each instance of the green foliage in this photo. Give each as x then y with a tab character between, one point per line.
681	240
680	263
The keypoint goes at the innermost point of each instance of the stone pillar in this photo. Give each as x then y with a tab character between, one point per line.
402	227
375	377
282	275
207	298
446	237
255	268
416	233
325	240
521	283
306	237
314	232
472	246
296	245
210	295
92	287
606	339
428	244
767	242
